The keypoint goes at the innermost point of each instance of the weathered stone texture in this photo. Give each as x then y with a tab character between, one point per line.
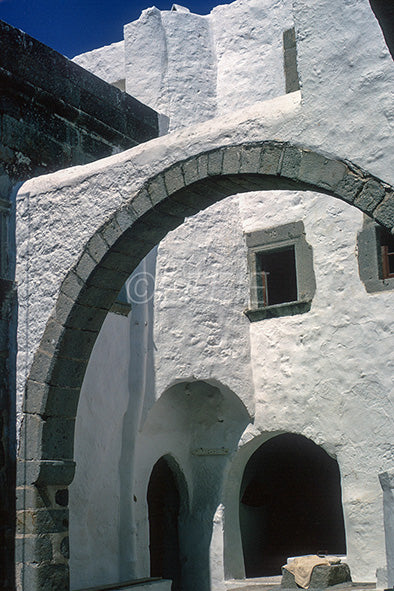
323	576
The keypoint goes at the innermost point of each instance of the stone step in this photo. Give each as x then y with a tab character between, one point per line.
148	584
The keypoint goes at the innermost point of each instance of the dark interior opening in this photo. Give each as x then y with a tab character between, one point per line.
163	510
386	248
290	505
276	276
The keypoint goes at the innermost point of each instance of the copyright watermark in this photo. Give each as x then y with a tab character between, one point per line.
140	288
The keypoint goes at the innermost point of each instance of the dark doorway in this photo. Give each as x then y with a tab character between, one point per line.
290	504
163	509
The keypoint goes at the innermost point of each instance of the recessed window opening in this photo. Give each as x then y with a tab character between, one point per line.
387	253
290	505
375	257
276	276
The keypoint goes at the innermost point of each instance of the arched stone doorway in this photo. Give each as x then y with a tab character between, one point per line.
290	504
87	291
164	507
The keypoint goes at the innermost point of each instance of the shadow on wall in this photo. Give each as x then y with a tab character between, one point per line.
200	424
140	294
290	504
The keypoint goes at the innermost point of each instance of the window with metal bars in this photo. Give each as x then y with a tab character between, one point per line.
282	280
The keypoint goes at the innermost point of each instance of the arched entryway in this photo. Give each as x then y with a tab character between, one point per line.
164	507
89	285
290	504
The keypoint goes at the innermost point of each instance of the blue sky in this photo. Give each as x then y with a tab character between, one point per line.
75	26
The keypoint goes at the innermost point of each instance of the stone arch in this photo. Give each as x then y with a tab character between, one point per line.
91	286
290	504
190	409
234	488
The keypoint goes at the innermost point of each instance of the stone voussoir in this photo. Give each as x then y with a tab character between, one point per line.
173	178
57	438
41	367
231	160
68	372
35	398
190	171
371	195
125	217
291	162
65	398
76	344
384	213
157	190
107	278
85	317
271	158
321	171
215	161
72	285
97	247
349	187
53	334
31	430
63	308
85	266
250	159
141	202
98	297
202	164
111	231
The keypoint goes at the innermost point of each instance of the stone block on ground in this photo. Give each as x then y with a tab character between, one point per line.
323	576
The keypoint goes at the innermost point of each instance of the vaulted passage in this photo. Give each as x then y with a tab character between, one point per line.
163	508
290	504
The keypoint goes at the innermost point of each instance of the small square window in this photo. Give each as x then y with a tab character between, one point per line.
282	281
376	257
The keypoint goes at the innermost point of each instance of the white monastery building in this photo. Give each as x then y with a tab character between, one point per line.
237	406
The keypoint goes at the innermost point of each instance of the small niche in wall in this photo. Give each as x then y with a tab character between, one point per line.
290	60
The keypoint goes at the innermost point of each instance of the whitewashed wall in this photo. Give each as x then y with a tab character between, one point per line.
326	374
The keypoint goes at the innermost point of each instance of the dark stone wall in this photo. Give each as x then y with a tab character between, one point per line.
7	433
53	114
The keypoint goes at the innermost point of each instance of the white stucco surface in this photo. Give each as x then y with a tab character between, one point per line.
326	374
106	62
